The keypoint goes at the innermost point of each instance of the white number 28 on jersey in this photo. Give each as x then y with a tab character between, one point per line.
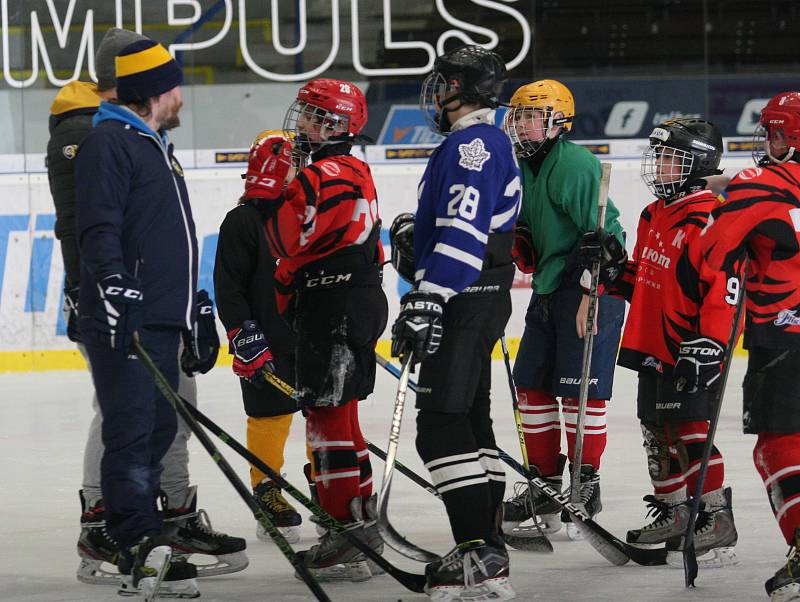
464	201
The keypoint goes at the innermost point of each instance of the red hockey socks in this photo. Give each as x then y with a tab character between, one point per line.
541	427
693	435
337	475
594	429
777	459
362	453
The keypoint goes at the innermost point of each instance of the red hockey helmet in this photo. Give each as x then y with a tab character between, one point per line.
326	111
778	134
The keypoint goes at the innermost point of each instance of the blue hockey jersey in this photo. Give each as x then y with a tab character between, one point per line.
470	189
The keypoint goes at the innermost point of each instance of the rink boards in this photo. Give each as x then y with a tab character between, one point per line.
32	328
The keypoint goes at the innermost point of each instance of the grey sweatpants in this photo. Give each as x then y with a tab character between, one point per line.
174	479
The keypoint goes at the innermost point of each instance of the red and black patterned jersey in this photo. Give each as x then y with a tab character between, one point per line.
668	302
330	205
760	214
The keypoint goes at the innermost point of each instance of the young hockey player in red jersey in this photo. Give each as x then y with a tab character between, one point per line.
324	228
760	215
668	306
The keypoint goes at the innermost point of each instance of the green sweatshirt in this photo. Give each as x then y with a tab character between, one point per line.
559	205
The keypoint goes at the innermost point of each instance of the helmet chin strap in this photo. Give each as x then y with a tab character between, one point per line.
444	123
788	156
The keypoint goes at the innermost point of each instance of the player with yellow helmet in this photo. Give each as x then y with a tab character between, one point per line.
560	183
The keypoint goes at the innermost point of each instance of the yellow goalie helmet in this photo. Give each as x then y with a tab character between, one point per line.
539	111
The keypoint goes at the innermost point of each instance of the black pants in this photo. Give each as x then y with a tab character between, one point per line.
139	425
771	391
337	330
454	428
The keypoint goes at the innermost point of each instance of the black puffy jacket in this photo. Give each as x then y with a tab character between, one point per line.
70	120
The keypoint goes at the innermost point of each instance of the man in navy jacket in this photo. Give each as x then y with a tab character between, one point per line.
138	252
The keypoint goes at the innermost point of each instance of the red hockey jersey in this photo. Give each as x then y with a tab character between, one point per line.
760	213
330	205
668	302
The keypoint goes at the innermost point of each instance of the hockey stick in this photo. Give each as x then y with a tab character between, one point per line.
388	532
588	337
181	406
411	581
690	568
610	547
535	543
413	476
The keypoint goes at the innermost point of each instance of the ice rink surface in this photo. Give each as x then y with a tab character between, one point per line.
45	416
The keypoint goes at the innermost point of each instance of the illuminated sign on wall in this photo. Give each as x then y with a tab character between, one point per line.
68	26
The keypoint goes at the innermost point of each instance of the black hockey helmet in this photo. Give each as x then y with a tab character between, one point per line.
470	74
681	151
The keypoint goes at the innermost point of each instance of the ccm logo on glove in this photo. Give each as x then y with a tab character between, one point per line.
128	293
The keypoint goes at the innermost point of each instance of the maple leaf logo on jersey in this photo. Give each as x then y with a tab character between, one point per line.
473	155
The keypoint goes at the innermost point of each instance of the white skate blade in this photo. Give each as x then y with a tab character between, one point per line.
528	539
788	593
222	565
168	589
91	571
491	589
292	534
716	558
350	571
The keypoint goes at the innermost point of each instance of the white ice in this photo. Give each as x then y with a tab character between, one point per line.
44	418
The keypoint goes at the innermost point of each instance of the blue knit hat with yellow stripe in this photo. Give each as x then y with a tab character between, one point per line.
145	69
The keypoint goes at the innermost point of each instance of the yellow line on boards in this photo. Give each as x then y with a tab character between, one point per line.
70	359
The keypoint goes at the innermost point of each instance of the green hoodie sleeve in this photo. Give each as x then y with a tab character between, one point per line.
574	186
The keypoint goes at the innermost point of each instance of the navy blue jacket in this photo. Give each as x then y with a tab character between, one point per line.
133	217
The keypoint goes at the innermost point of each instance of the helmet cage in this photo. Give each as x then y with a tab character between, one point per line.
434	90
519	121
665	169
313	127
762	152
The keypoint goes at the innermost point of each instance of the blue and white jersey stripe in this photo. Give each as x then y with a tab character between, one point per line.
470	189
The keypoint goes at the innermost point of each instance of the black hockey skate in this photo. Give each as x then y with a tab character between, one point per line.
372	535
336	559
190	533
473	571
149	570
715	534
670	518
279	511
99	553
312	489
784	586
518	509
589	499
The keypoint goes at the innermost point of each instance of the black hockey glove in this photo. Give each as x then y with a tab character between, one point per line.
418	328
70	310
401	236
201	344
605	248
119	313
699	364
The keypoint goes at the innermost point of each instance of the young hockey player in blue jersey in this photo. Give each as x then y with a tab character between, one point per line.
461	267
